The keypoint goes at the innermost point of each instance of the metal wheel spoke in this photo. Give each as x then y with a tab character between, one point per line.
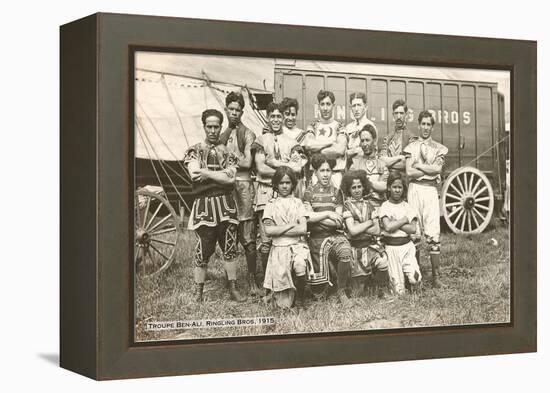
163	231
484	189
160	222
481	207
456	190
163	242
482	199
153	216
159	252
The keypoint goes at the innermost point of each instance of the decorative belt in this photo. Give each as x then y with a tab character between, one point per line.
396	241
363	242
425	182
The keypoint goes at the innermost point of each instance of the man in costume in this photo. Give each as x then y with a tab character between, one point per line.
214	214
424	163
239	139
327	136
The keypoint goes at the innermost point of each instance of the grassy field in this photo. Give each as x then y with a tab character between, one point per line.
476	290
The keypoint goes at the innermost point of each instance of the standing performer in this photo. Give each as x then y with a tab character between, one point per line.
358	102
285	221
238	139
393	145
327	136
330	250
399	222
363	229
213	215
273	150
290	112
424	163
375	168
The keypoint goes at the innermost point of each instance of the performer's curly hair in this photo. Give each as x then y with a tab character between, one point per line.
318	159
350	176
393	176
274	106
288	103
324	94
211	112
280	173
235	96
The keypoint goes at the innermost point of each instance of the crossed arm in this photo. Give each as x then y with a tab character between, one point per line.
355	228
199	174
418	170
329	149
402	223
294	229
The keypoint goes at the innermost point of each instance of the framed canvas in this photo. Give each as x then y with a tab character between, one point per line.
164	273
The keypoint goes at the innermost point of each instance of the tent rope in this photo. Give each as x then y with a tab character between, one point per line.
161	139
140	126
174	106
486	151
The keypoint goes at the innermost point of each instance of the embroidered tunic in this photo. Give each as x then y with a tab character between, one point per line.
214	202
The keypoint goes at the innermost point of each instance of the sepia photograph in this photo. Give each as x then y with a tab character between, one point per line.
284	196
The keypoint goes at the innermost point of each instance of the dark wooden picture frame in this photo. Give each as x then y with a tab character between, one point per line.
97	196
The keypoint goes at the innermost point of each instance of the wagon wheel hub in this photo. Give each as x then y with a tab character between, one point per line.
469	202
142	237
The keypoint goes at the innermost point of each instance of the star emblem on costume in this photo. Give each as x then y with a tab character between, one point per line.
322	132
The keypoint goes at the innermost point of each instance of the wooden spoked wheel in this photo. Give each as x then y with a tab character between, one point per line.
157	233
468	200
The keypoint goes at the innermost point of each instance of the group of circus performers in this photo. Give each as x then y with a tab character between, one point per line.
321	208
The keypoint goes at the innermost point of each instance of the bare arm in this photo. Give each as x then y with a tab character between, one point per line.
337	149
245	161
199	174
394	225
409	228
261	167
397	162
313	145
276	230
353	152
356	228
431	170
299	228
413	173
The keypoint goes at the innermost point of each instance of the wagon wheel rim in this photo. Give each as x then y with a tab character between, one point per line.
468	200
157	234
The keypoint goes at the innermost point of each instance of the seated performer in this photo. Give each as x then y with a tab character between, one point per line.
330	250
375	169
214	214
362	229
